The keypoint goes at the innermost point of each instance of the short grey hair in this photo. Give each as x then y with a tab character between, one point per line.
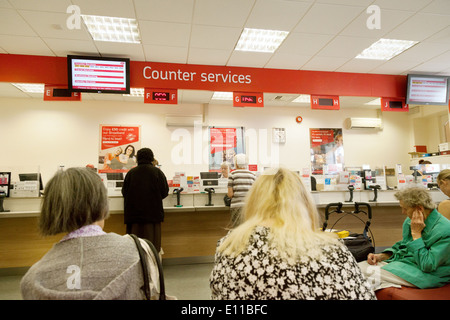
414	197
73	198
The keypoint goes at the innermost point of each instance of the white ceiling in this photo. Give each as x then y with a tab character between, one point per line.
324	35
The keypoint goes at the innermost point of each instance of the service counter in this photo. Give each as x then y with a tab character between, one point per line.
192	230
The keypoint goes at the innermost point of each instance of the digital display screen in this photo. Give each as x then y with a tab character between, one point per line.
248	99
325	102
429	90
161	96
95	74
395	104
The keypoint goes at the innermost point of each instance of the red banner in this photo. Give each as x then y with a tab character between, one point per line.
222	139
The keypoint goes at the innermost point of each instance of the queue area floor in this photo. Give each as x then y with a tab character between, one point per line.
184	281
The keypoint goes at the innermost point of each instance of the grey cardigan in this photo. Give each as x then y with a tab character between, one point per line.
104	267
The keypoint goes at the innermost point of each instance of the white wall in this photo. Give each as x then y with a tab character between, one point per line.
48	134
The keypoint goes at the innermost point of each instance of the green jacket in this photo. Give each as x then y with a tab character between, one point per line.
424	262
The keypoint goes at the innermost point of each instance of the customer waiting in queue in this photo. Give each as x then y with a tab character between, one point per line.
422	258
239	183
443	180
87	263
279	252
144	188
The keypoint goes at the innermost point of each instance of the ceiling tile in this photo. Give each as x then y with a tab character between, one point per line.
327	19
304	43
287	61
249	59
419	27
409	5
12	23
165	33
438	7
208	56
360	65
389	19
165	54
276	15
53	25
165	10
47	5
63	47
24	45
230	13
211	37
132	51
324	63
346	47
110	8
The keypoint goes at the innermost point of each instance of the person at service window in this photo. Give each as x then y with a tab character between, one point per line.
144	188
422	258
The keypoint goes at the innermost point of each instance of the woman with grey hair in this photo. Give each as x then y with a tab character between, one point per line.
422	258
87	263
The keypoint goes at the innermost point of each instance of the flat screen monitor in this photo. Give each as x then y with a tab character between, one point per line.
118	176
32	177
209	175
427	90
98	74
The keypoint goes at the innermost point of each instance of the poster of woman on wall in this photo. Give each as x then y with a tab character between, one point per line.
118	148
327	149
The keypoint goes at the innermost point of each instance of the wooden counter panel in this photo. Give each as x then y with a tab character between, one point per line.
184	234
21	245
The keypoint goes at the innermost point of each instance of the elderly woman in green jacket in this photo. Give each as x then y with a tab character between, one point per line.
422	258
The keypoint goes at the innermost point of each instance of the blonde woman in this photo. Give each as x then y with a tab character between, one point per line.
278	252
443	180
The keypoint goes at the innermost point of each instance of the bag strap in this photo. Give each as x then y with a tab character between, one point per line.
144	265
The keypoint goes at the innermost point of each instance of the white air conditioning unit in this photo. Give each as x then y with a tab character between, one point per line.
364	123
183	121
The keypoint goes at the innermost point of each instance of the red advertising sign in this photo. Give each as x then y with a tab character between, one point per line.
60	93
222	139
248	99
393	104
325	102
113	136
161	96
118	148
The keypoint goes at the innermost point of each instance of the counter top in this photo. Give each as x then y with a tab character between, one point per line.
192	202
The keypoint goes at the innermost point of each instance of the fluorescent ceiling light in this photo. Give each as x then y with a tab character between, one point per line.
112	29
135	92
30	87
303	98
260	40
385	49
218	95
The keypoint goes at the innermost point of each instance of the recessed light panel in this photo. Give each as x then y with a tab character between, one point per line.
112	29
385	49
260	40
30	87
218	95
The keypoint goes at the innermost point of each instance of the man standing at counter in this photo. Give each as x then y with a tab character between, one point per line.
144	188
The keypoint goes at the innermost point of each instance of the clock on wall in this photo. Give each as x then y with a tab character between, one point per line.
279	135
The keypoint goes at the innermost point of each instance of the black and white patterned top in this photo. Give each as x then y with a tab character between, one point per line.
259	273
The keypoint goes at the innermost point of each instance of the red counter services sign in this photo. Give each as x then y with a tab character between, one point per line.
143	74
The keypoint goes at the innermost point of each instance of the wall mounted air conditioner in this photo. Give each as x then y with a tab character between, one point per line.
364	123
183	121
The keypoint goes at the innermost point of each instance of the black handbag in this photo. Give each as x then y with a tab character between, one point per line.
359	244
144	265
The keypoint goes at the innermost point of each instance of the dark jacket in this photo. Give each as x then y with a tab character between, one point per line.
144	189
